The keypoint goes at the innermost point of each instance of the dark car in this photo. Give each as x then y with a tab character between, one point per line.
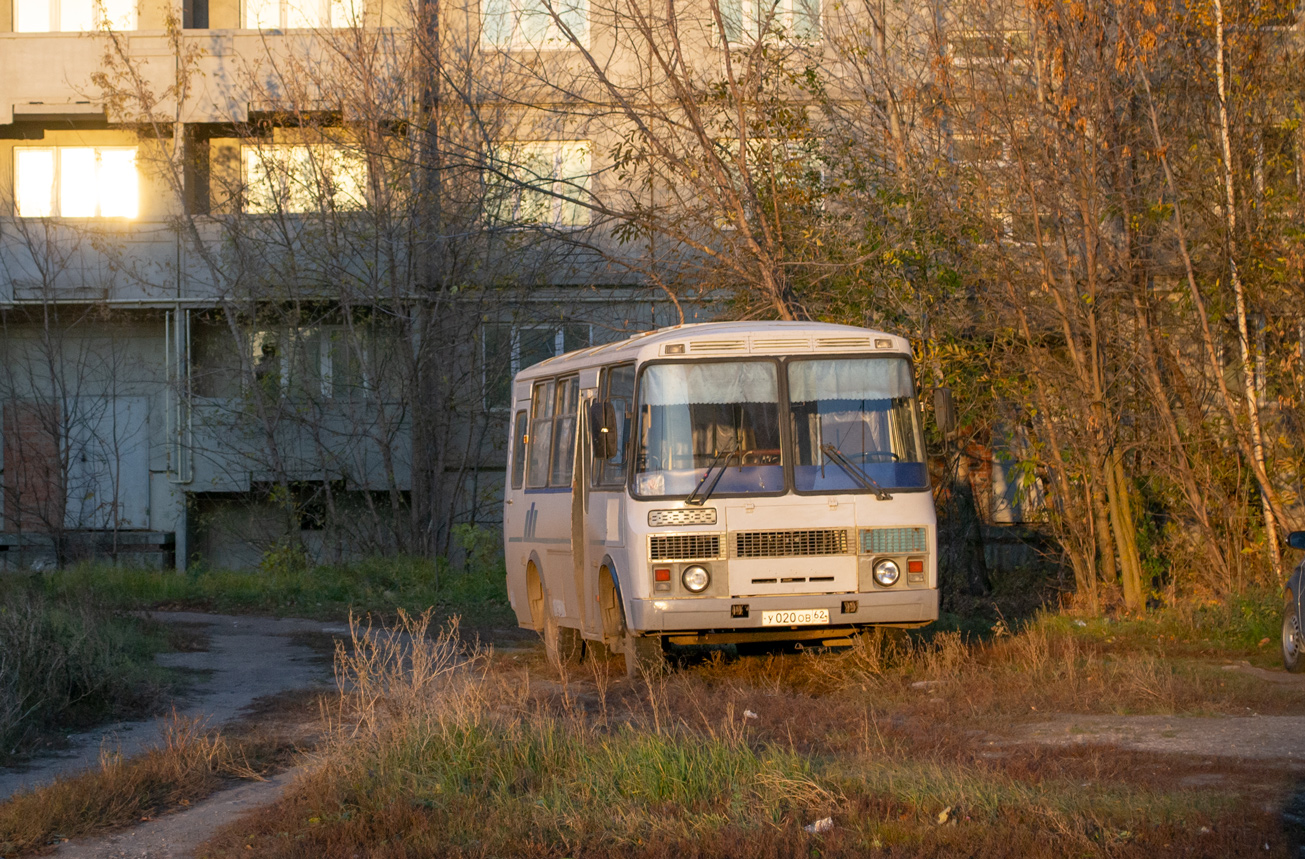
1291	632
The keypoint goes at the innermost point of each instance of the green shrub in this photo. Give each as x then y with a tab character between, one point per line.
67	663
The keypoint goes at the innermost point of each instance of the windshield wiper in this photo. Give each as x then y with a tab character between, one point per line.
719	460
855	472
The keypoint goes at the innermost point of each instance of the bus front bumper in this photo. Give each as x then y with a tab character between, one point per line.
716	618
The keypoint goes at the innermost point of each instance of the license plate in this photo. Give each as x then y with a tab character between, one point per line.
795	617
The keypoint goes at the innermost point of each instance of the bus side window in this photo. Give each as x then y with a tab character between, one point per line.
520	425
540	442
564	420
617	388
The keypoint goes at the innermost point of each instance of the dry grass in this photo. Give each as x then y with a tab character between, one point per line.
443	750
192	763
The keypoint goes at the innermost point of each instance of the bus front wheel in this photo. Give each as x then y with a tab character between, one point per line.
643	653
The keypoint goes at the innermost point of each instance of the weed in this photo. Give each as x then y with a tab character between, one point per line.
191	763
286	587
439	749
67	663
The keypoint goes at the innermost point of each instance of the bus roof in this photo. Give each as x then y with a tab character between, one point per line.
712	339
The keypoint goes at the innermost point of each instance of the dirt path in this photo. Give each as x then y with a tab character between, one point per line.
249	658
176	836
1277	739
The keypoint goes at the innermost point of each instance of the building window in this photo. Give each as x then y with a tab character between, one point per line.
320	362
539	24
508	349
72	16
747	21
76	182
976	48
539	182
302	14
293	179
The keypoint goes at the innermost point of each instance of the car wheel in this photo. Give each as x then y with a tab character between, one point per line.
1291	637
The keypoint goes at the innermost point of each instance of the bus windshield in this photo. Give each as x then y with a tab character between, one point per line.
696	415
863	408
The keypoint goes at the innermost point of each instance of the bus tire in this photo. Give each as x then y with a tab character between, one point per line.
565	647
535	597
613	613
644	655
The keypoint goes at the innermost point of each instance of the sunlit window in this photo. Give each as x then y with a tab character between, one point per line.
51	16
534	23
294	179
539	182
302	14
76	182
749	20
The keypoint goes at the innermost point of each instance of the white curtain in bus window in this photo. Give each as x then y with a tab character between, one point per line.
730	382
34	182
849	379
541	434
692	414
568	401
865	408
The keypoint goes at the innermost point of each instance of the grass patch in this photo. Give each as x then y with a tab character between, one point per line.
191	764
441	750
67	663
379	586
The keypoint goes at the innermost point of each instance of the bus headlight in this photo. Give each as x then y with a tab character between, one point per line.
695	578
887	572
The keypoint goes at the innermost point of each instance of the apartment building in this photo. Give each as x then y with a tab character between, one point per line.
265	265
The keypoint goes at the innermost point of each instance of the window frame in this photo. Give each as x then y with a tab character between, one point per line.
56	187
741	16
515	332
506	177
354	14
552	397
553	40
599	476
319	156
55	19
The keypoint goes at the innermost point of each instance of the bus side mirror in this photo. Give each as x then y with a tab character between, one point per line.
944	410
602	429
1296	539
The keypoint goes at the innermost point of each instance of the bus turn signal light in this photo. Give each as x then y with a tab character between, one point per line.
662	574
915	565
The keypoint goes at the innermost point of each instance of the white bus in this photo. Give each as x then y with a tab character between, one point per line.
736	482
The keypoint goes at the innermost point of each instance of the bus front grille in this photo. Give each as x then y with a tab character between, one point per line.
893	541
788	544
683	547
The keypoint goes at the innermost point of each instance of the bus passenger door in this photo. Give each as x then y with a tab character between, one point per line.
580	550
